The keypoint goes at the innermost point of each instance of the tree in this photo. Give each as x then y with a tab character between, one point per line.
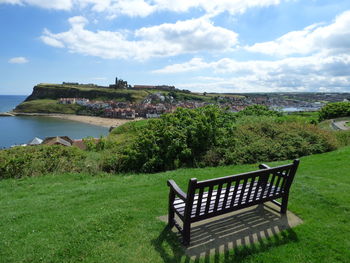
334	110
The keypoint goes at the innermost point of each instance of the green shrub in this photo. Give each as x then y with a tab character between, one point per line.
211	136
176	140
335	110
268	140
343	137
20	162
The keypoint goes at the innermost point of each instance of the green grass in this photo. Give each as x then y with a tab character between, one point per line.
106	218
129	127
347	124
134	95
47	106
127	132
326	125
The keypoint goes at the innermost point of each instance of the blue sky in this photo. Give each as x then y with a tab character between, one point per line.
200	45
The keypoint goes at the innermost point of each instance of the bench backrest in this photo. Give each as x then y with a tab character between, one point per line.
217	196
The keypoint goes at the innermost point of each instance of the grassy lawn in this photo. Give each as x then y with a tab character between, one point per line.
106	218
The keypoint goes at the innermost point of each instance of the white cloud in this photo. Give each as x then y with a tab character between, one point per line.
322	63
48	39
188	36
12	2
49	4
18	60
314	72
192	65
146	7
333	38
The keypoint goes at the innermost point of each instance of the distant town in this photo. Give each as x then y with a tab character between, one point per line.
164	100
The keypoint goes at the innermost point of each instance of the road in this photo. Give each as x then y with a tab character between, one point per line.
341	125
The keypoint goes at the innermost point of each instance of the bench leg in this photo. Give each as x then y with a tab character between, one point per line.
171	213
186	233
284	204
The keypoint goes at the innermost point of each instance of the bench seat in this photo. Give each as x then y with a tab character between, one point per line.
179	204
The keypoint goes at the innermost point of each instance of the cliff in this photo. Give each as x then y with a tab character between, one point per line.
56	91
44	97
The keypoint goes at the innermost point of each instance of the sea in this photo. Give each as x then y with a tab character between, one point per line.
22	129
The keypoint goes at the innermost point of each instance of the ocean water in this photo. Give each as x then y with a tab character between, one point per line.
22	129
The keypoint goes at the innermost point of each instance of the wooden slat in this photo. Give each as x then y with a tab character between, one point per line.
218	195
250	188
284	180
231	178
228	188
277	183
264	187
234	192
242	191
271	184
210	192
200	198
256	191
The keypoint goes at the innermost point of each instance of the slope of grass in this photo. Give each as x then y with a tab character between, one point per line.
124	134
47	106
106	218
326	125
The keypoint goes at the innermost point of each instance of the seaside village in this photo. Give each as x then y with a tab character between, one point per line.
158	103
164	100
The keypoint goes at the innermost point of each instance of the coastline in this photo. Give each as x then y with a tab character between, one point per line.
93	120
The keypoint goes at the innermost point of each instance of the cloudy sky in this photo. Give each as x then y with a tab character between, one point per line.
200	45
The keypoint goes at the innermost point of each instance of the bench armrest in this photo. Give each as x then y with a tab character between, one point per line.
177	190
264	166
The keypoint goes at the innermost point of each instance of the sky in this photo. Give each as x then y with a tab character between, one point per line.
199	45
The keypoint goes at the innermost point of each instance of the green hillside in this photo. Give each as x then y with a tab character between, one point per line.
47	106
111	218
56	91
44	97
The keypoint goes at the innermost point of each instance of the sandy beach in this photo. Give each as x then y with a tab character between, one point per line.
99	121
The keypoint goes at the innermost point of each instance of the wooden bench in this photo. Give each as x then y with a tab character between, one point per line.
210	198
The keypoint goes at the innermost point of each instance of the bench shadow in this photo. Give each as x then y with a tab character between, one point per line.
236	236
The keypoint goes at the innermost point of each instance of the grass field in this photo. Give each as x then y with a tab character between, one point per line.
106	218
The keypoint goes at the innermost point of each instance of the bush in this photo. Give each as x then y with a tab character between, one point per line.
268	140
335	110
176	140
343	137
211	136
20	162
